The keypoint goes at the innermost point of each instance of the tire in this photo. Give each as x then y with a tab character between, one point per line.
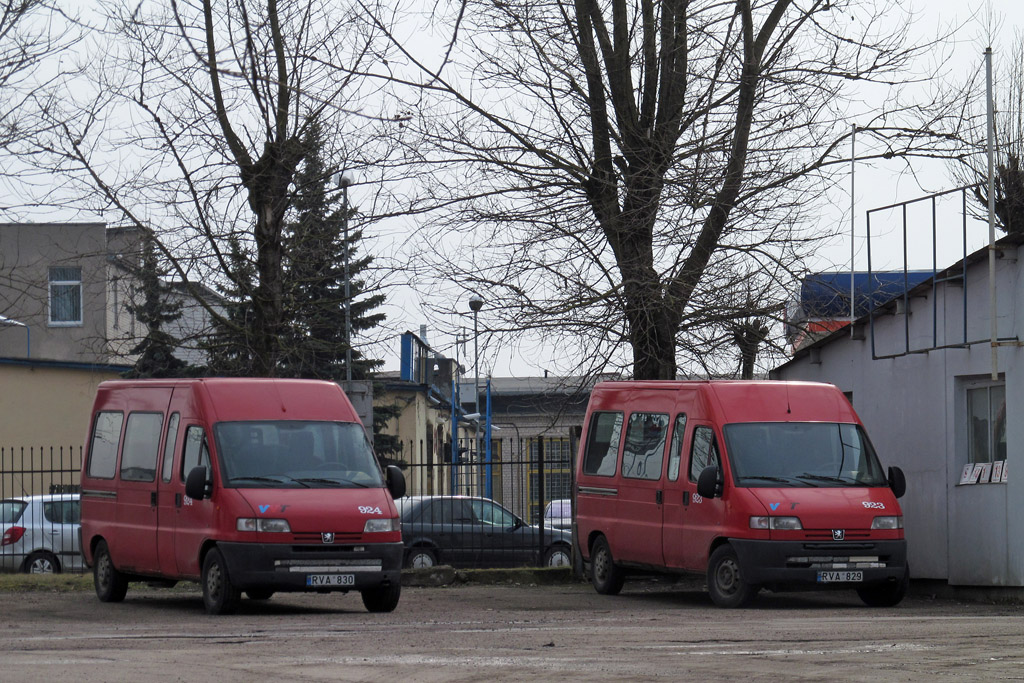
41	562
606	577
421	558
888	594
725	579
220	596
382	598
557	556
111	585
259	593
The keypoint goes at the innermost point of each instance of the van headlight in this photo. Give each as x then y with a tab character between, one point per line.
891	522
378	525
263	524
778	523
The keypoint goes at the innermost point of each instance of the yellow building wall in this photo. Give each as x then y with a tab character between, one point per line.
44	418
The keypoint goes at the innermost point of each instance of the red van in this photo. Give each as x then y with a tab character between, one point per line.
246	485
753	483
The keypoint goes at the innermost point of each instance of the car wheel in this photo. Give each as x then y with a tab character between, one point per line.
382	598
725	580
111	585
421	558
259	593
41	562
557	556
887	594
606	577
220	596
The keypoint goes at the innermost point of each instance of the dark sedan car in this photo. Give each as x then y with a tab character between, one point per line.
465	531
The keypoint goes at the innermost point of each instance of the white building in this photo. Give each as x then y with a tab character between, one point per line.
920	376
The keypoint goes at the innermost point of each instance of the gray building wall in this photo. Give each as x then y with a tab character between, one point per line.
915	409
27	252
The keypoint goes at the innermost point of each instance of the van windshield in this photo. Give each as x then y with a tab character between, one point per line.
296	454
774	454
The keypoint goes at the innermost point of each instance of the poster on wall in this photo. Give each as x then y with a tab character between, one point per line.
986	473
997	471
966	477
1003	478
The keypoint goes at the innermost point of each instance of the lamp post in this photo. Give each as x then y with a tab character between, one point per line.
476	303
343	182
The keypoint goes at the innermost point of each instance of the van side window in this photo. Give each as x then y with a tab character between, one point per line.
675	451
106	434
644	450
603	444
196	453
172	434
141	446
704	452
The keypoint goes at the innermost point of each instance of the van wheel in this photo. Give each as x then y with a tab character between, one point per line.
421	558
220	596
259	593
725	581
382	598
888	594
111	585
606	577
41	562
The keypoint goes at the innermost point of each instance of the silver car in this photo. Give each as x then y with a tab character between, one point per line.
40	534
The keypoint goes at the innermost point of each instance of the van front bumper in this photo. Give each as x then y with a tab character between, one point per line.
801	563
287	567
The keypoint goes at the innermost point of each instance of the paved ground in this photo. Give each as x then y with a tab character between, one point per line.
506	632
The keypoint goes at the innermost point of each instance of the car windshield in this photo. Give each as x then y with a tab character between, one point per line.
558	508
296	454
772	454
10	510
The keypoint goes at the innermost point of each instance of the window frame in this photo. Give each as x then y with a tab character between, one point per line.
991	420
51	283
117	445
713	444
648	474
591	430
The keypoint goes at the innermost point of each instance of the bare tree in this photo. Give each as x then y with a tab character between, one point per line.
32	34
602	169
972	165
192	127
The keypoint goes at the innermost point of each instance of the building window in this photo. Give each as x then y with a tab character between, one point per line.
65	296
557	473
986	424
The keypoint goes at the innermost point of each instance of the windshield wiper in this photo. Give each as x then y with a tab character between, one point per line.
779	480
823	477
276	479
339	480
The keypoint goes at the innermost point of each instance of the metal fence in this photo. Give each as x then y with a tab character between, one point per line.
474	509
40	509
471	510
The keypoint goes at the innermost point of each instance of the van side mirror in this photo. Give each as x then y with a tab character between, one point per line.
395	481
197	487
897	481
709	483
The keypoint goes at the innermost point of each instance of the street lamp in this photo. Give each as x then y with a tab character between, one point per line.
343	182
476	303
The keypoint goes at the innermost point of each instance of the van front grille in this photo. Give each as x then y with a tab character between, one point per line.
317	537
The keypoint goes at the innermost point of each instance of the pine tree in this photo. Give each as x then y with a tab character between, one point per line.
314	342
156	357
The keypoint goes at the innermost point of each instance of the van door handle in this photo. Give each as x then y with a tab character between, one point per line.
686	497
177	500
152	499
658	496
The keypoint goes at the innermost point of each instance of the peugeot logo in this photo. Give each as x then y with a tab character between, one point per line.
837	535
328	537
